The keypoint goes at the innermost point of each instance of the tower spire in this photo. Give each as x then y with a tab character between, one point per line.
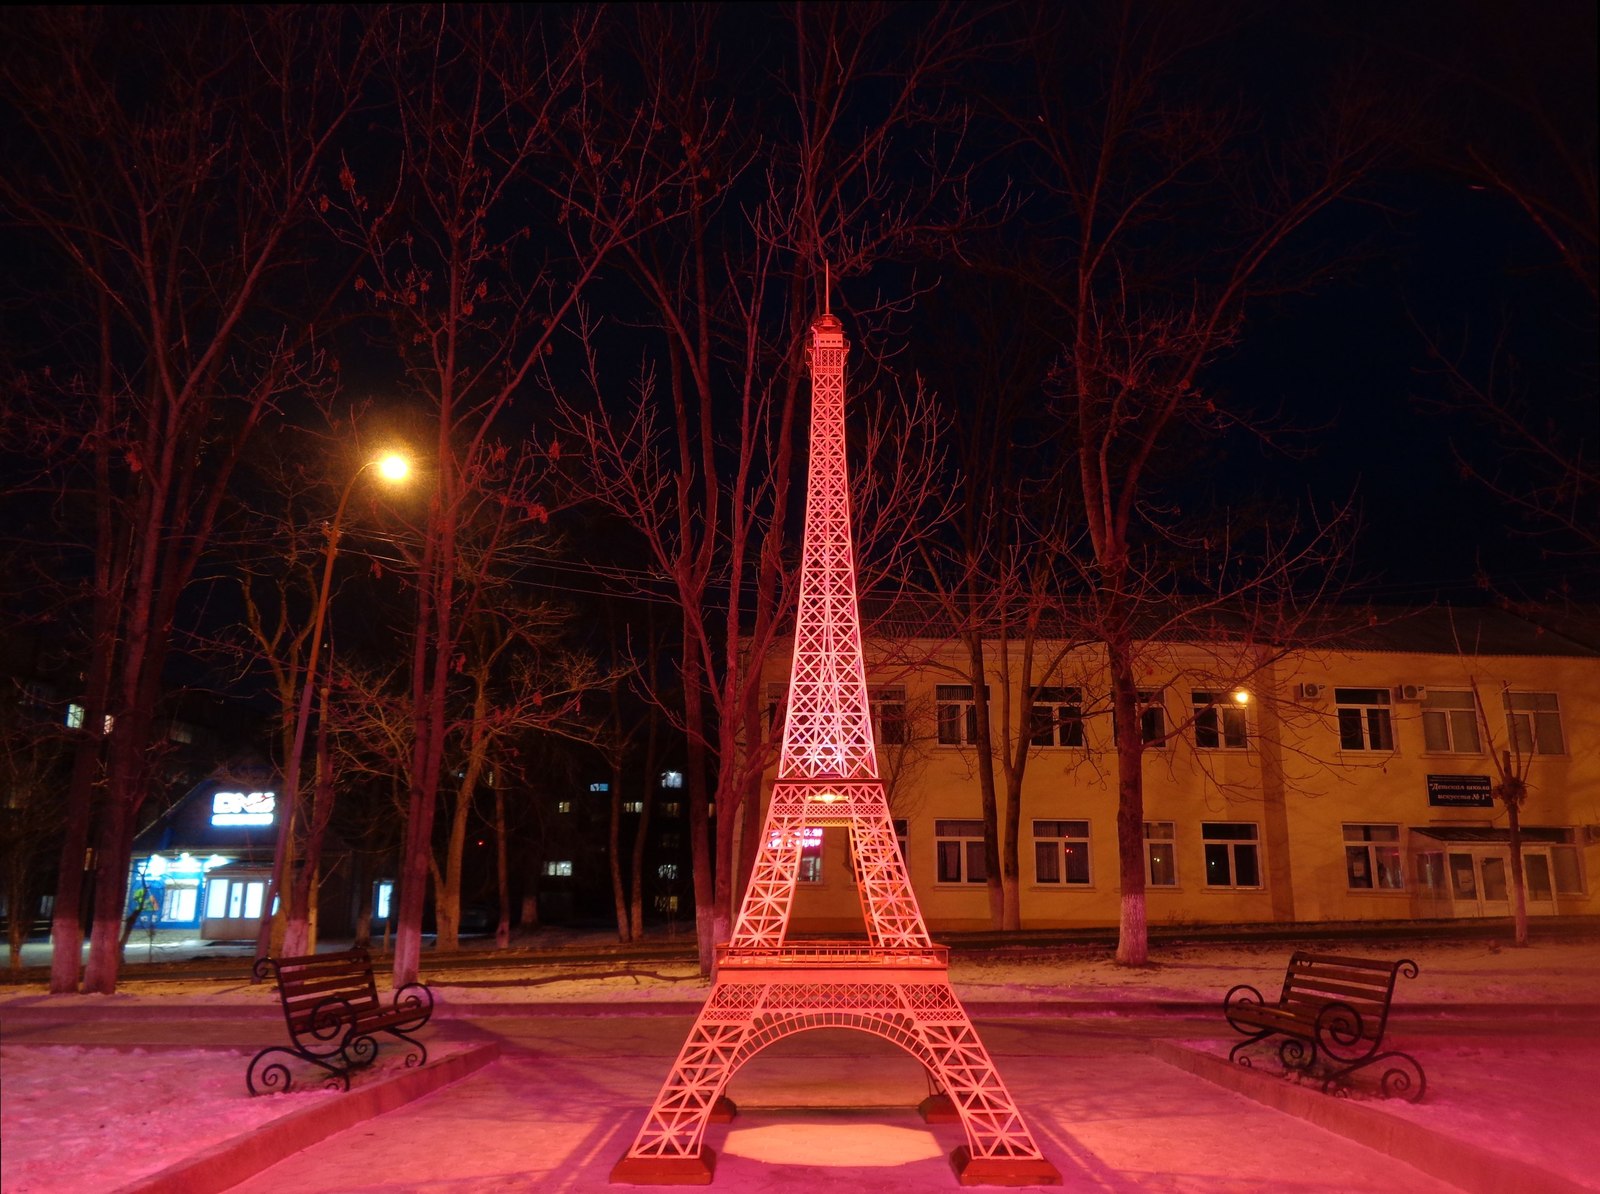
896	983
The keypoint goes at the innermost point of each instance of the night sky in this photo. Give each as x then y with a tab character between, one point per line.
1424	247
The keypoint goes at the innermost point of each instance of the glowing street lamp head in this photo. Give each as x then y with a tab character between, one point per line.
393	467
1241	697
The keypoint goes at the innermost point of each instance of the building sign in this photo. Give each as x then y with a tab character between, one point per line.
243	808
1460	791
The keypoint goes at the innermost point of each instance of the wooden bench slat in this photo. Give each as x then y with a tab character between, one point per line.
1338	991
1343	974
1366	964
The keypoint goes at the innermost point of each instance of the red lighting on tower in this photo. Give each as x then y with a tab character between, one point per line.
895	984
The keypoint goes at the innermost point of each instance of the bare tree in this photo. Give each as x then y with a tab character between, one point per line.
702	461
494	136
167	160
1170	214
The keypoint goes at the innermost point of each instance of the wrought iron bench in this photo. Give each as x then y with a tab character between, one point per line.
1332	1015
331	1006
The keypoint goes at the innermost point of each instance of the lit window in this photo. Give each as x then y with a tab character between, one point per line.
599	787
1220	722
1450	722
1364	719
380	903
666	903
558	869
667	870
1372	858
1232	853
889	716
254	895
180	732
957	713
1534	719
217	899
958	847
671	808
1061	852
1057	717
1160	855
672	779
633	806
75	716
563	806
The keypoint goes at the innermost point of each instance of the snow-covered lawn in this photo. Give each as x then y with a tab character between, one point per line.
79	1119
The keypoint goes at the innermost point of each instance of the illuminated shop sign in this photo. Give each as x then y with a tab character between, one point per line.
243	808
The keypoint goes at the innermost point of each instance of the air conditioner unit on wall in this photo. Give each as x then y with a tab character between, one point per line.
1312	692
1411	692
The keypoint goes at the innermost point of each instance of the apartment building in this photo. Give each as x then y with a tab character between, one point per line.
1352	782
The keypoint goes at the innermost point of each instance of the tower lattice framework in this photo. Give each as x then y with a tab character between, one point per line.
896	984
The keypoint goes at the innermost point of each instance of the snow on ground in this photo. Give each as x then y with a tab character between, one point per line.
116	1116
122	1114
1530	1097
1472	972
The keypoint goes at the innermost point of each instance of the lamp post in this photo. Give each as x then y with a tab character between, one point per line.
393	468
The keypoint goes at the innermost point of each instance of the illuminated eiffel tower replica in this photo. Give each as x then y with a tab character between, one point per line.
896	983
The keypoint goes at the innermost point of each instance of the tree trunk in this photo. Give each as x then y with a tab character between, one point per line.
66	917
111	863
1133	940
619	895
1519	893
298	935
647	802
502	871
986	790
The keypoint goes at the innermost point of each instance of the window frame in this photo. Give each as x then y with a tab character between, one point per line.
1522	726
1233	845
964	855
962	713
1446	717
1369	848
1061	844
1057	718
1171	843
1224	719
888	708
1366	719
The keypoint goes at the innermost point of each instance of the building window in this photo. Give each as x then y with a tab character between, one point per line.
1364	719
671	841
1450	722
1566	858
672	779
75	716
592	787
958	846
180	732
1372	858
902	838
666	903
1534	719
777	706
1057	717
1232	853
811	854
1160	854
958	713
563	806
889	715
1152	717
559	870
1061	852
1220	722
671	808
633	806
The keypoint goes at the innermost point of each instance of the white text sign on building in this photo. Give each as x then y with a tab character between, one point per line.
243	808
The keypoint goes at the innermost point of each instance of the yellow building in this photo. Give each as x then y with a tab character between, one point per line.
1349	783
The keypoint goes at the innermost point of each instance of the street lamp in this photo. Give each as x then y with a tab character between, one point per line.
394	469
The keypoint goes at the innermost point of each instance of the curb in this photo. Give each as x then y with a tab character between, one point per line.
1468	1166
225	1165
458	1010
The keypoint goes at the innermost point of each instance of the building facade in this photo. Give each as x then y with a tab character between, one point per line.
1350	783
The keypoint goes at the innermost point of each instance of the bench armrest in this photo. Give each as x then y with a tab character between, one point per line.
1241	996
416	1000
1343	1033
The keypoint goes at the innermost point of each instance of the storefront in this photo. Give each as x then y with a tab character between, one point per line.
1465	870
205	866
